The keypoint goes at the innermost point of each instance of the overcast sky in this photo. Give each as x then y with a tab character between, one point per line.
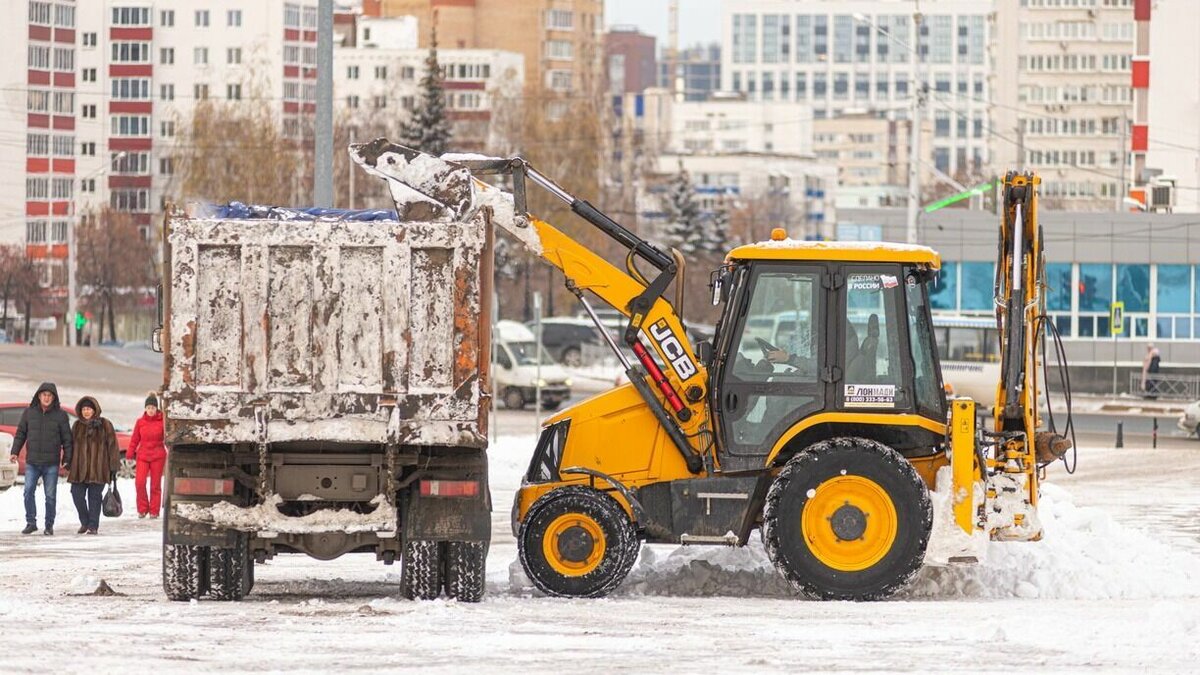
699	20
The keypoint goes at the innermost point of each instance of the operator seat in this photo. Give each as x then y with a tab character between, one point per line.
862	369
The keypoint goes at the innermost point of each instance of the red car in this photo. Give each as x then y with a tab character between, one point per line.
10	417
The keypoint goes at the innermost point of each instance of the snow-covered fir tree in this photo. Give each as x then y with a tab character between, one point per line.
716	232
427	129
684	227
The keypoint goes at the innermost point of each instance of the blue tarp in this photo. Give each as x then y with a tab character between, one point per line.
240	211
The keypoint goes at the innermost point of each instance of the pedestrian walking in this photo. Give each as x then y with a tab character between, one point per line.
45	431
95	462
146	446
1150	365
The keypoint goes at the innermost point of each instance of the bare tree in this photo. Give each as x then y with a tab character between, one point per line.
116	264
18	279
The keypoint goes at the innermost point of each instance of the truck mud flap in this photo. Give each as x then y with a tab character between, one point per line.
446	518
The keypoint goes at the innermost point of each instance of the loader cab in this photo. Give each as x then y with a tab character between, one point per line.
819	339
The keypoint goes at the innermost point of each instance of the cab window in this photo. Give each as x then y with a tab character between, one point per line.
873	374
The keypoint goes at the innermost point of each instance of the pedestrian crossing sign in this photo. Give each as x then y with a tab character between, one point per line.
1116	319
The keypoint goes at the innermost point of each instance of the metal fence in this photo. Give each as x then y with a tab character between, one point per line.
1163	385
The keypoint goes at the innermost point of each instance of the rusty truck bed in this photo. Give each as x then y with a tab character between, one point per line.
327	330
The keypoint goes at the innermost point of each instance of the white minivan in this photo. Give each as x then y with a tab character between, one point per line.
516	372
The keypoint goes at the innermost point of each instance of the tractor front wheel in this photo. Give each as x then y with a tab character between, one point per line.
848	519
577	542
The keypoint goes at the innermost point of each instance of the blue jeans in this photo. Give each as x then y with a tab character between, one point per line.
87	498
49	476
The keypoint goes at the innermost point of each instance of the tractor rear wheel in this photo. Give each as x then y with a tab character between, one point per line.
577	542
848	519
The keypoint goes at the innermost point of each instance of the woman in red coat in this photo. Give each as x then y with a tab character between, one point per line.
146	446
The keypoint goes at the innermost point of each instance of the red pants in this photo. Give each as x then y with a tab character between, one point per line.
149	471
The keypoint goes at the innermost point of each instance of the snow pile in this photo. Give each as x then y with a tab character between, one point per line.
701	571
266	517
469	157
892	247
1084	554
84	584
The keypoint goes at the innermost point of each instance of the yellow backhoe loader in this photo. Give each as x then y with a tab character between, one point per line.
817	414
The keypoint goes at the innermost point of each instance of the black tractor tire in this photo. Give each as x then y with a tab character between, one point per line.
513	399
891	557
185	571
601	571
572	357
465	575
248	579
421	570
227	578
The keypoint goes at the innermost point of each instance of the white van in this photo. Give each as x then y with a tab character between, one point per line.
969	349
516	370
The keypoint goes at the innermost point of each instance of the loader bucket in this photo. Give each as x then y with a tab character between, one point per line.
423	187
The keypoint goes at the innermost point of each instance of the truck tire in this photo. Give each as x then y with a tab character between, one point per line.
466	567
848	519
421	570
185	571
227	571
513	399
572	357
577	542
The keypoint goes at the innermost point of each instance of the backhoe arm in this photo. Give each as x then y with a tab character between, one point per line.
429	188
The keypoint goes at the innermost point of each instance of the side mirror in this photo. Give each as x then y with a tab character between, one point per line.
156	340
704	352
719	283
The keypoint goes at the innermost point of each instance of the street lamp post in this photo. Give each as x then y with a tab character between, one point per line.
916	117
72	308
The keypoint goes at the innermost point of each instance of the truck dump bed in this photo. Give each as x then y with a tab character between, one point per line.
328	329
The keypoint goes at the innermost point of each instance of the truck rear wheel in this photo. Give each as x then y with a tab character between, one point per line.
465	573
227	578
185	571
421	570
848	519
514	399
577	542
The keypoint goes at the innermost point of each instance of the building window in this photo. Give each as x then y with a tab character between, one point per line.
64	102
88	111
1133	287
166	92
88	74
166	166
131	16
87	149
200	92
943	294
166	18
167	129
39	13
234	17
233	55
129	162
200	56
38	101
37	188
58	231
559	80
745	38
64	146
131	52
560	50
352	72
233	92
37	145
136	201
291	16
131	89
380	102
381	72
560	19
62	188
131	125
64	59
166	56
88	39
35	232
87	185
352	102
202	18
39	57
408	73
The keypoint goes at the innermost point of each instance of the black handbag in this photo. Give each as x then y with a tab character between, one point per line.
111	504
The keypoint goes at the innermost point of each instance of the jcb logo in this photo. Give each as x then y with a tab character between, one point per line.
673	349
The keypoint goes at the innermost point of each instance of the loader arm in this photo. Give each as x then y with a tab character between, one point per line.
448	188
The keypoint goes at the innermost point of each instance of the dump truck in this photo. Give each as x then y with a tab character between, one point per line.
326	391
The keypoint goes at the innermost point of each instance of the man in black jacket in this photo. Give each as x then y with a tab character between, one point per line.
45	432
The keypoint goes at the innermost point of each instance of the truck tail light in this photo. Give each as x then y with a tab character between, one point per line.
449	488
203	486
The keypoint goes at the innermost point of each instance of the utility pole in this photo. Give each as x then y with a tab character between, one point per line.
323	138
916	116
1020	146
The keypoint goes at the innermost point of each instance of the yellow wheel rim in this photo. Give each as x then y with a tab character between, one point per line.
574	544
849	523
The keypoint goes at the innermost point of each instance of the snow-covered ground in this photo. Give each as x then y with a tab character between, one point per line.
1115	585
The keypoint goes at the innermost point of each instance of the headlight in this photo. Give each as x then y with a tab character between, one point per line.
538	383
567	382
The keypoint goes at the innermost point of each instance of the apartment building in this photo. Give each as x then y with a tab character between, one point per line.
39	120
871	156
560	40
1063	97
854	56
630	66
727	126
697	70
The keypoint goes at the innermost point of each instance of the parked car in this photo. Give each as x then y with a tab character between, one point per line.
1189	421
10	417
8	470
517	370
565	338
